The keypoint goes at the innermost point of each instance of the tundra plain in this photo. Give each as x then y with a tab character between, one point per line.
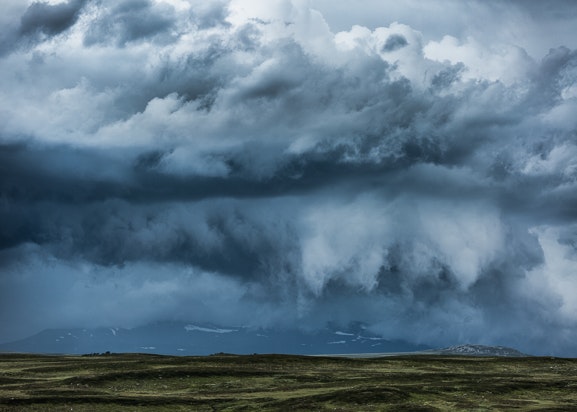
221	382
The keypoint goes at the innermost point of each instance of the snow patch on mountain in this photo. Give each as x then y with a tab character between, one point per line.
480	350
370	338
190	328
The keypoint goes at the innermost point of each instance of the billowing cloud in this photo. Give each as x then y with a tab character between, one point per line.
130	21
39	21
245	163
50	19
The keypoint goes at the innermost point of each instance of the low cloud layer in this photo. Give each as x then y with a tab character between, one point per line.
250	164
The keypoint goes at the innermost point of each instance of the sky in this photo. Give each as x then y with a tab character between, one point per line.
408	165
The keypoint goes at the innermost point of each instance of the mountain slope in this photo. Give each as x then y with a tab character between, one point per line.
479	350
191	339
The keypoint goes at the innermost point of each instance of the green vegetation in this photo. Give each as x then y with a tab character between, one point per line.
276	382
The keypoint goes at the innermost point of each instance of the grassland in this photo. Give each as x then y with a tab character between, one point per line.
293	383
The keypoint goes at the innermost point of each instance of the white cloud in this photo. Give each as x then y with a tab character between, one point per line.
468	238
346	242
505	63
553	283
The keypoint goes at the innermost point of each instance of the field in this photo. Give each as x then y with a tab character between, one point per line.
276	382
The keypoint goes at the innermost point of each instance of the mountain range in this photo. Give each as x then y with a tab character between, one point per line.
180	338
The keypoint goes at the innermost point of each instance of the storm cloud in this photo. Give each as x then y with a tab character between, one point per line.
262	164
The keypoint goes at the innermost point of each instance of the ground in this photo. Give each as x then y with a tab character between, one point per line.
137	382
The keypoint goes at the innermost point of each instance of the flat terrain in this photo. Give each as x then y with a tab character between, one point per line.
275	382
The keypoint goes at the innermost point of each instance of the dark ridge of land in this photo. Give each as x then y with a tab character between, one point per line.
111	382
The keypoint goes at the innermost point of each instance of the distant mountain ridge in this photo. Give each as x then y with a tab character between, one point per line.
180	338
479	350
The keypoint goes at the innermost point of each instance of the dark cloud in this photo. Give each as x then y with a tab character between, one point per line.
50	19
394	42
447	76
237	169
38	22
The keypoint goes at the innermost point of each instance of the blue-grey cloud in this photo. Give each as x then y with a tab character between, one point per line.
39	22
394	42
131	21
50	19
183	151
